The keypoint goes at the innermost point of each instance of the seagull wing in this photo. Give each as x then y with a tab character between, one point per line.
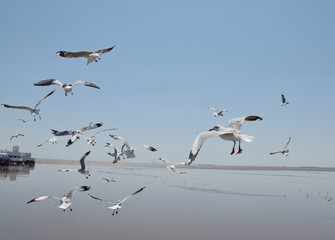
126	198
289	139
101	51
90	126
198	142
73	139
42	143
213	109
283	100
82	160
152	149
44	98
275	152
236	123
77	189
166	162
61	133
67	54
88	84
96	198
19	107
121	139
42	198
97	133
48	82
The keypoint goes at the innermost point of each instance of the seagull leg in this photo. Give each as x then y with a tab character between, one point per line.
239	148
233	150
71	209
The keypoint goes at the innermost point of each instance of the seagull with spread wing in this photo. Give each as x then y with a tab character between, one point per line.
83	170
231	133
117	205
130	150
172	167
34	111
91	56
16	136
65	202
285	149
216	112
90	140
67	87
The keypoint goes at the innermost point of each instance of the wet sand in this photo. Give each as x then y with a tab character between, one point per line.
193	166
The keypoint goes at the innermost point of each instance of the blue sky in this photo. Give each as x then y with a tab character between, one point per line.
172	60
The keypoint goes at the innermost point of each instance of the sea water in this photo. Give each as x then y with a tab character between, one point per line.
200	204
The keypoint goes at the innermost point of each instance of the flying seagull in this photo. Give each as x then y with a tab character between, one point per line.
91	56
67	88
231	133
172	167
16	136
283	100
216	112
65	202
75	134
23	120
117	205
285	150
90	140
117	154
83	170
34	111
52	139
130	150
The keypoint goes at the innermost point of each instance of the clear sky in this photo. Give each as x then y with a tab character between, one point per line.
172	60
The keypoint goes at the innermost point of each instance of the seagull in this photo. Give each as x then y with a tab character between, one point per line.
67	88
52	139
285	150
283	100
172	167
75	134
33	111
117	154
16	136
231	133
65	202
117	205
109	180
217	112
90	140
83	169
130	150
91	56
23	120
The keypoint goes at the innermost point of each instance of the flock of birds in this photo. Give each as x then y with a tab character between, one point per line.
230	133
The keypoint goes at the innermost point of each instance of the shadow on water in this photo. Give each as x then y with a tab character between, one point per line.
12	172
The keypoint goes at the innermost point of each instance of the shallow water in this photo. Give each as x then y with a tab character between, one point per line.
201	204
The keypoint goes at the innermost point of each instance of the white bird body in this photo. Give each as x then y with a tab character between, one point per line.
34	111
91	56
65	202
117	205
285	150
231	133
83	170
67	87
90	140
172	167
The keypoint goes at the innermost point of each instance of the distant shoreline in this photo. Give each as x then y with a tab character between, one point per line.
193	166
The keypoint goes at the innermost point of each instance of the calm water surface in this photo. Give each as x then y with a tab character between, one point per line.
201	204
